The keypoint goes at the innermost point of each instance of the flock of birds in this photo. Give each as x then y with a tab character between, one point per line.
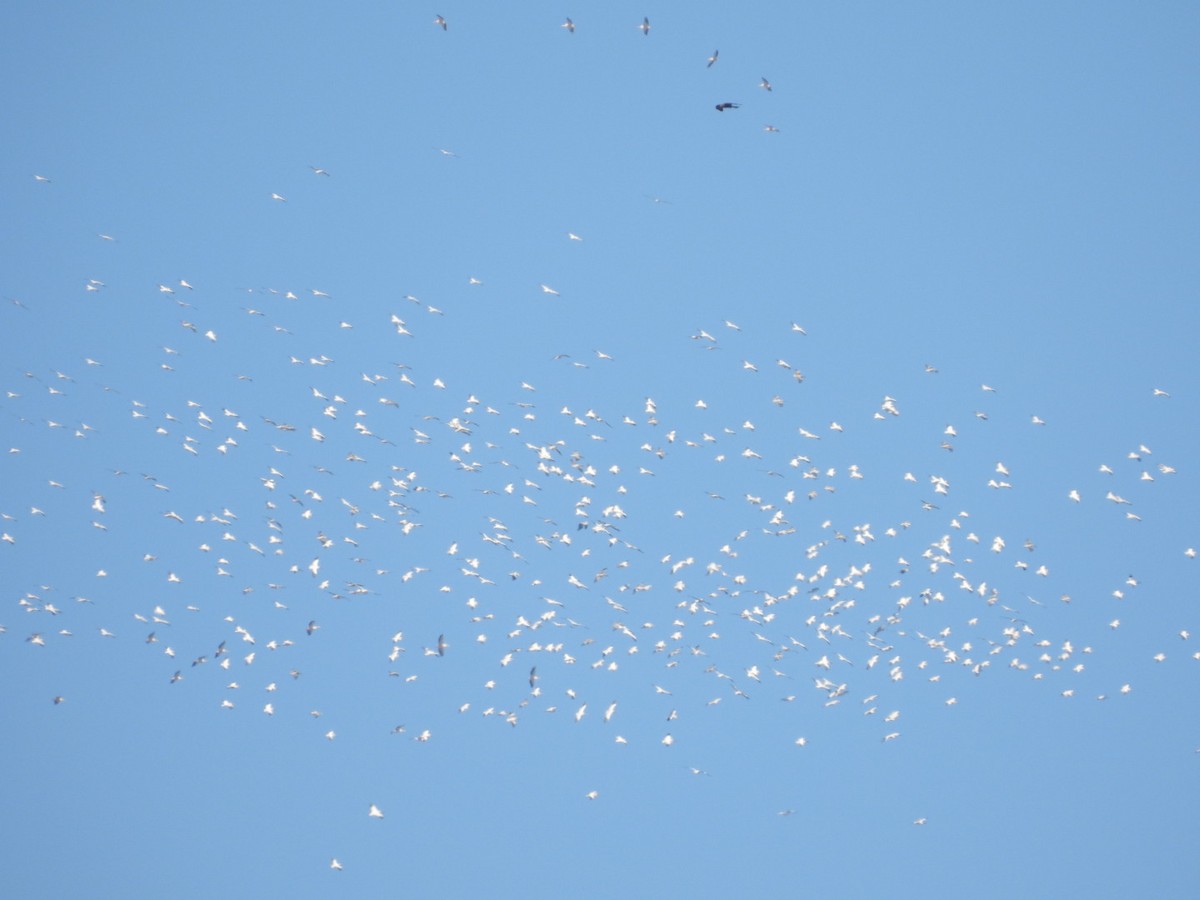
577	558
644	27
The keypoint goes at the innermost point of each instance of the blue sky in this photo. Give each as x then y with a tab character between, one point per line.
835	534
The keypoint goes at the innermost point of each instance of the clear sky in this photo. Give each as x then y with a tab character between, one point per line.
384	402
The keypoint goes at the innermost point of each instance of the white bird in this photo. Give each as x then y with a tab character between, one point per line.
546	289
279	197
335	865
375	812
569	25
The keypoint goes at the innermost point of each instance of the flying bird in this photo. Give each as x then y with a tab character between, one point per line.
440	21
645	26
712	59
764	84
569	25
721	107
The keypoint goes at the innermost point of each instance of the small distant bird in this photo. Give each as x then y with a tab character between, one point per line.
569	25
279	198
721	107
645	26
374	812
41	179
765	85
712	59
335	865
546	289
440	21
317	170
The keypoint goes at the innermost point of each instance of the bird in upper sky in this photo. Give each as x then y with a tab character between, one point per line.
712	59
721	107
645	26
569	25
440	21
764	84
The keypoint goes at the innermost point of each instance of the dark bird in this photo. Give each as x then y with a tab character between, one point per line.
441	645
440	21
645	26
712	59
721	107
